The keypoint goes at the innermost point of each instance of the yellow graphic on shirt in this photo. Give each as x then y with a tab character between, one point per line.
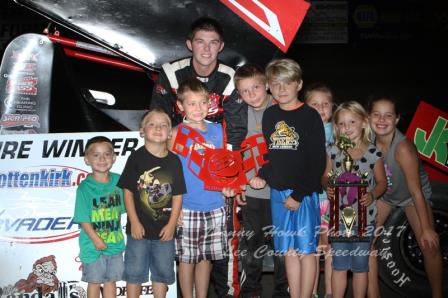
155	194
284	137
106	216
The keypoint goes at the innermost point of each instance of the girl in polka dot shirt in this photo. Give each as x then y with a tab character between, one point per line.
351	120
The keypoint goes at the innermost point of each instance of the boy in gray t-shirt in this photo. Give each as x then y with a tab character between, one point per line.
250	82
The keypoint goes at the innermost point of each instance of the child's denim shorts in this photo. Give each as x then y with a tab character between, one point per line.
104	269
144	256
353	256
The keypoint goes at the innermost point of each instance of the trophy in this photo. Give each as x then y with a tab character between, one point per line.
345	208
219	167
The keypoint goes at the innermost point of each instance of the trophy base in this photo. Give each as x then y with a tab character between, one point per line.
350	239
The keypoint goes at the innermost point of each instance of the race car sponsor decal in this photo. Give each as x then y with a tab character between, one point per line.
12	120
26	85
429	131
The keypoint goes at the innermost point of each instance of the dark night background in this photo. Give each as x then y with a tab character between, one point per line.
394	47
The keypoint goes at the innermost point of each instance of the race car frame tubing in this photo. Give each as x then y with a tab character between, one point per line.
104	60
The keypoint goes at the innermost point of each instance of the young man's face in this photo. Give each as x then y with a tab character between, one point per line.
205	48
253	92
101	157
156	128
285	93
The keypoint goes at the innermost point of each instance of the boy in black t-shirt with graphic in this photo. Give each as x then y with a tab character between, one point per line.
296	152
153	185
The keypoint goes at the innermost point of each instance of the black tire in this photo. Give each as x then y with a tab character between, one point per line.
400	261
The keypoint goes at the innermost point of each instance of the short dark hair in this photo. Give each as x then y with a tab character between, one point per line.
207	24
373	99
194	85
96	140
248	71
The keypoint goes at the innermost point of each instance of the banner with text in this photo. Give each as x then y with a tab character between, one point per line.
39	174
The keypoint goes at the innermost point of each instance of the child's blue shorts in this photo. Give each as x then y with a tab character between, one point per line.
297	229
353	256
144	256
104	269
